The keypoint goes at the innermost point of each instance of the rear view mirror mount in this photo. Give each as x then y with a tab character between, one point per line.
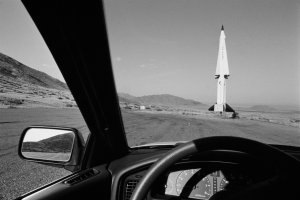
54	146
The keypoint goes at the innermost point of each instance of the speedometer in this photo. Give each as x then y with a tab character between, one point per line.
200	191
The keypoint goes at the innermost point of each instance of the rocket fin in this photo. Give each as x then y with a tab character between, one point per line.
212	108
228	108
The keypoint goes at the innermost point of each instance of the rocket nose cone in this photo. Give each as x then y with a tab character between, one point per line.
222	29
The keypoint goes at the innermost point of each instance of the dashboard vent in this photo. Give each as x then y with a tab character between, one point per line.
81	176
129	187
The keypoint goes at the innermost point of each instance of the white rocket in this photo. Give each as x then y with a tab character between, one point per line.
222	74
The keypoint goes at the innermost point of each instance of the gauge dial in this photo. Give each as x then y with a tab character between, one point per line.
169	186
183	178
223	183
200	191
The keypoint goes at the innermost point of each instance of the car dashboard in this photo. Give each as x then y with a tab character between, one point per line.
195	177
200	184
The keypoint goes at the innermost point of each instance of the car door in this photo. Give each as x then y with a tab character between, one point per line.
76	35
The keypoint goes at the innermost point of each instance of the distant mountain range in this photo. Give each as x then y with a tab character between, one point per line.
263	108
161	99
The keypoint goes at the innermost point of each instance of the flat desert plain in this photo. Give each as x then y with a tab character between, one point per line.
18	177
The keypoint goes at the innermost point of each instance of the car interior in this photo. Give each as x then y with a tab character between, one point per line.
215	168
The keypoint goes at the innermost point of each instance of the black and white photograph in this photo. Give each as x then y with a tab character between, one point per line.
150	99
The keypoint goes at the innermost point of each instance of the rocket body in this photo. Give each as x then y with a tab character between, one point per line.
221	90
222	62
222	74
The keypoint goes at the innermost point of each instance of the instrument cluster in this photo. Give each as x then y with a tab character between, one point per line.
206	187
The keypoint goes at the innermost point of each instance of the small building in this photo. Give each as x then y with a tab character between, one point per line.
142	107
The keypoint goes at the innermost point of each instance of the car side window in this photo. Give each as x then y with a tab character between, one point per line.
32	92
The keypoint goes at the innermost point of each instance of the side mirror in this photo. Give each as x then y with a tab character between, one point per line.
55	146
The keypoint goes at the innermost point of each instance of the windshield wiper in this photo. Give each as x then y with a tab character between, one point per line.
158	146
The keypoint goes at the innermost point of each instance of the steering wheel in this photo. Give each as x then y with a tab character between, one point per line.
288	168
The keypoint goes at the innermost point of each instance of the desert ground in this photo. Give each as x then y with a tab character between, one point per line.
146	127
18	177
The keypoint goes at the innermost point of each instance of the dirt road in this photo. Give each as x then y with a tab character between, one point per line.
18	177
144	128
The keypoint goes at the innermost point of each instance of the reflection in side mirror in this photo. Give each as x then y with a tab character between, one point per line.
48	144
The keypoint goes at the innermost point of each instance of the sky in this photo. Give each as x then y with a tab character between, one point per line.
171	46
20	39
37	134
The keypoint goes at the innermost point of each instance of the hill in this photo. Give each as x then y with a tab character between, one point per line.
22	86
127	98
56	144
167	99
262	108
161	99
13	69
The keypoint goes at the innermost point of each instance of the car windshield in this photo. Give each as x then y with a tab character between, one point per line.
178	80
